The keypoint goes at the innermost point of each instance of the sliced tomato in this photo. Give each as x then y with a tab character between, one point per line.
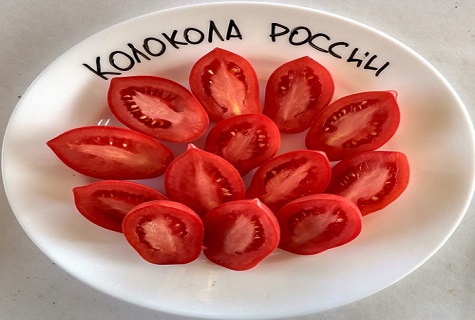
246	141
319	222
295	92
158	107
356	123
290	176
371	179
226	84
202	180
240	234
164	232
105	152
106	202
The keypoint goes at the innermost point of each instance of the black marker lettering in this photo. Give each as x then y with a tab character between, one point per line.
136	53
274	33
295	33
334	45
213	30
382	68
352	57
129	65
233	31
198	34
318	35
155	53
98	70
175	43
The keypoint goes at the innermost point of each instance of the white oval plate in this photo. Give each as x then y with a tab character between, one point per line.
435	133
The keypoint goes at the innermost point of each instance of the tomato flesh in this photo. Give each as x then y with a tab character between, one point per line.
246	141
290	176
319	222
164	232
114	153
158	107
356	123
295	92
202	180
240	234
106	202
371	179
226	84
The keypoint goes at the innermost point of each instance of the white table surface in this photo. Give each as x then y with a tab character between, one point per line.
33	33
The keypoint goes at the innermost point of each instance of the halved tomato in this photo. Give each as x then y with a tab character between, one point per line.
226	84
106	202
295	92
164	232
157	107
115	153
356	123
290	176
246	141
202	180
318	222
240	234
371	179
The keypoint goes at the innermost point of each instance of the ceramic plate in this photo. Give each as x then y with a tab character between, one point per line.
435	133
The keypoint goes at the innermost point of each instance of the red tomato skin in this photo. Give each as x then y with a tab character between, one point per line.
290	176
202	180
164	221
230	135
352	113
228	227
301	84
106	202
316	223
111	153
176	115
216	76
387	174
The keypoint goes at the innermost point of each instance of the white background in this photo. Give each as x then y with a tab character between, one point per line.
34	33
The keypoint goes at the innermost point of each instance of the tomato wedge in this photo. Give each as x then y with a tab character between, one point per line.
246	141
318	222
240	234
164	232
157	107
295	92
356	123
202	180
114	153
371	179
290	176
106	202
226	84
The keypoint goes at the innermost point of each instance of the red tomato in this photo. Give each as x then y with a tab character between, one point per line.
240	234
295	92
164	232
226	84
371	179
246	141
202	180
158	107
318	222
355	123
111	153
290	176
106	202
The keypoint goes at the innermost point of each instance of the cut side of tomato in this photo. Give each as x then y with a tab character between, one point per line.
158	107
295	92
290	176
371	179
246	141
106	202
319	222
356	123
113	153
240	234
164	232
202	180
226	84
